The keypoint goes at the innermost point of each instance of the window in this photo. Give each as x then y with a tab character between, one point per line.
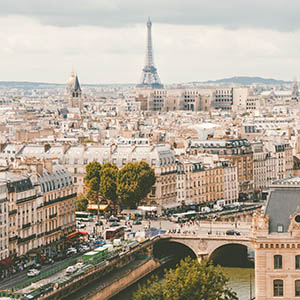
278	287
297	287
277	262
297	261
279	228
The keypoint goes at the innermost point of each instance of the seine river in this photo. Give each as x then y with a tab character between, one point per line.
239	281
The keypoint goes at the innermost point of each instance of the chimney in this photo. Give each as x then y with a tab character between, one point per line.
48	165
47	147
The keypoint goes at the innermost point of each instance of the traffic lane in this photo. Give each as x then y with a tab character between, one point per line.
22	277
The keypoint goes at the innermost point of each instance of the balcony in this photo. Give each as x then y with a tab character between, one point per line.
27	199
13	238
53	216
27	225
53	230
26	239
12	212
60	199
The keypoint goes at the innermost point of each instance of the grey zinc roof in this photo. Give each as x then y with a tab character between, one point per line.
281	204
60	177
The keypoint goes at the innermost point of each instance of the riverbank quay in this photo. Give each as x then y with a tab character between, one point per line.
118	280
62	290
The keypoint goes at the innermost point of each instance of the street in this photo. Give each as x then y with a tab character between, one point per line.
195	228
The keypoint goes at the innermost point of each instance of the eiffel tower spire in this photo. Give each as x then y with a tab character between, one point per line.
149	77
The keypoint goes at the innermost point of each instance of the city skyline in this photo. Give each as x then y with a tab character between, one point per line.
105	41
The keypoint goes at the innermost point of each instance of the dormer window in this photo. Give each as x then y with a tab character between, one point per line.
280	227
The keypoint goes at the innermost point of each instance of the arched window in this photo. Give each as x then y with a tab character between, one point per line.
297	287
278	288
277	262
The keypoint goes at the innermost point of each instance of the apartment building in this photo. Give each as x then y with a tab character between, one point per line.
159	157
276	242
231	185
56	210
264	167
283	153
4	246
23	204
203	182
238	151
41	207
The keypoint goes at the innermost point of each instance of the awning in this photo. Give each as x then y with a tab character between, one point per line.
72	235
148	208
6	261
97	207
82	232
130	212
171	205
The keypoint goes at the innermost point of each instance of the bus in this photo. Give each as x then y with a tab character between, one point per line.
183	216
114	233
83	216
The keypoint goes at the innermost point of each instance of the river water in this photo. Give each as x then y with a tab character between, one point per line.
239	281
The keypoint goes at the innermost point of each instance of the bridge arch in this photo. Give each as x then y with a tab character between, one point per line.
178	249
219	249
231	254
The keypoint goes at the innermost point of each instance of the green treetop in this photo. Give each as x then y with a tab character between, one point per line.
92	181
108	183
134	182
189	281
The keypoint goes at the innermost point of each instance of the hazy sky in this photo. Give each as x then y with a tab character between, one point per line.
105	40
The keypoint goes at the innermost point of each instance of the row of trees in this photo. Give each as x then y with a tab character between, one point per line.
125	187
189	281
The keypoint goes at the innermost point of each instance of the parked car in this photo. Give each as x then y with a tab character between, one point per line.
33	272
232	232
114	224
127	229
99	223
81	226
79	265
37	266
49	261
71	251
137	222
71	270
83	248
113	219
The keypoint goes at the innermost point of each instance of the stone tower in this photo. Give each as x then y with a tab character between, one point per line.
74	92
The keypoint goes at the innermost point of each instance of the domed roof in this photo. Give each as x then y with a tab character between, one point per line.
71	80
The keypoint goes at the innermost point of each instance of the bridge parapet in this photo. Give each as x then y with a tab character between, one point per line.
204	245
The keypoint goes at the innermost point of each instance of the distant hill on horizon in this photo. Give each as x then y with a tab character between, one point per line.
33	85
245	80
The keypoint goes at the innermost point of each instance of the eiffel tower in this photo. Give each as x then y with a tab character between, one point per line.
149	77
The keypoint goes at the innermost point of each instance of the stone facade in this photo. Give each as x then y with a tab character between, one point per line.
276	241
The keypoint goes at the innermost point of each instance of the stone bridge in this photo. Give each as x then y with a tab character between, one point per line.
204	246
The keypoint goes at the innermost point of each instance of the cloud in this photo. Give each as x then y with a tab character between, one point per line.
281	15
37	52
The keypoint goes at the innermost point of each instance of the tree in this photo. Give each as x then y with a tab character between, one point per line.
134	182
190	280
81	203
92	182
108	183
146	179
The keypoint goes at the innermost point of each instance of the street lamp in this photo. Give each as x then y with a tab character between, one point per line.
210	227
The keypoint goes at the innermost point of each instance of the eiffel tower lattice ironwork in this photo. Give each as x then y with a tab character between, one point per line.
149	77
